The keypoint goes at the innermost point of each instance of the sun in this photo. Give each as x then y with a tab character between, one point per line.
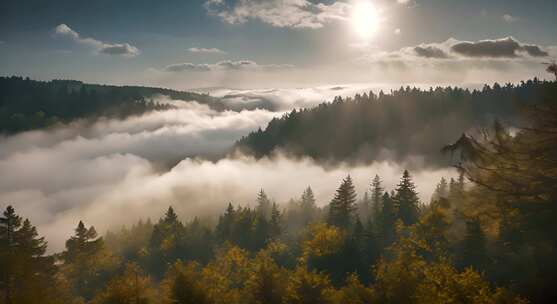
365	19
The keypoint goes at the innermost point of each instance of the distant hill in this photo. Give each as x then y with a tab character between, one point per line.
28	104
407	123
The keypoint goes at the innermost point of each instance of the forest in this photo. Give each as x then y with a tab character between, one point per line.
484	237
395	126
29	104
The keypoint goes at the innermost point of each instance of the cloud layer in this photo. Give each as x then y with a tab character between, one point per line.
498	48
122	49
225	65
206	50
279	13
507	47
114	172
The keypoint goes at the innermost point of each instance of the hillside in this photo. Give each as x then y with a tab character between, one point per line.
28	104
407	123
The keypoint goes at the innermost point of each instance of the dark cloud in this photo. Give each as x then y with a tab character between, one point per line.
534	50
225	65
124	49
186	66
498	48
430	52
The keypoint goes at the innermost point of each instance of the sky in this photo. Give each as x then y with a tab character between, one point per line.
202	44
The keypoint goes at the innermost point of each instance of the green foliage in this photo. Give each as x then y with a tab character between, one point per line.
486	233
181	285
343	205
130	287
87	263
408	122
27	275
27	104
309	287
406	200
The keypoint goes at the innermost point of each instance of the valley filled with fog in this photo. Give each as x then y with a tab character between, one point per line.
112	172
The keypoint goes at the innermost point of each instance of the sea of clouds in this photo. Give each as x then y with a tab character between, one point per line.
112	172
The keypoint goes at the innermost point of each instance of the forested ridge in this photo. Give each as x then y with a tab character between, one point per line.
402	124
485	237
28	104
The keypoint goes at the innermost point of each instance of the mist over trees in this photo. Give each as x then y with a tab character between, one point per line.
28	104
486	236
406	123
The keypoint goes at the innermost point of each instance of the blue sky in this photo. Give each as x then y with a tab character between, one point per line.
251	43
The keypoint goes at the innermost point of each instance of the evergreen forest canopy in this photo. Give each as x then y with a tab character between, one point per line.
28	104
407	123
485	237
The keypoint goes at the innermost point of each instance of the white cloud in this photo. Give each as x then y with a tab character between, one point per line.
280	13
122	49
286	99
225	65
109	173
509	18
206	50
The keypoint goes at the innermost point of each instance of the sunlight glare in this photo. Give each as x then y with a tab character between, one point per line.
365	19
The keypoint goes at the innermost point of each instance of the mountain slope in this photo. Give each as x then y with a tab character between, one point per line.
406	124
28	104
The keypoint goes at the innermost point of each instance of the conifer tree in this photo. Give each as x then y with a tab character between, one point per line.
9	224
441	190
406	200
376	198
308	207
225	224
263	204
85	260
166	241
275	223
342	207
26	274
386	231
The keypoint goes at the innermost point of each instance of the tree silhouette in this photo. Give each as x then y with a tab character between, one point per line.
342	207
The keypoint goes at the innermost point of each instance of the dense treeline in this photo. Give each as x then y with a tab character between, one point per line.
27	104
386	247
485	237
406	123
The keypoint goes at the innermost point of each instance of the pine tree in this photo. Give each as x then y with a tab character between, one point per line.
342	207
225	224
263	204
85	260
386	231
275	223
261	232
441	190
8	248
406	200
165	243
26	274
376	198
308	207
